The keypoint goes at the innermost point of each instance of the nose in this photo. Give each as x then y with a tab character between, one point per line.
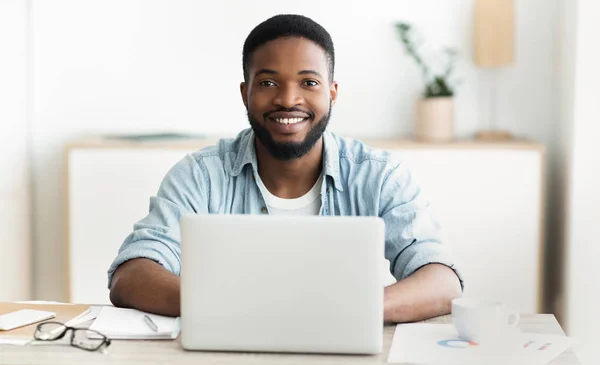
288	97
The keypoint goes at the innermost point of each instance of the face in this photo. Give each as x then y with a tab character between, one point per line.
288	96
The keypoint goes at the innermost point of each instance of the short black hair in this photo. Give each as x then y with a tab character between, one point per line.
288	25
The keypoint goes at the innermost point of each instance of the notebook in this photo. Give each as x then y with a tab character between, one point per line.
129	324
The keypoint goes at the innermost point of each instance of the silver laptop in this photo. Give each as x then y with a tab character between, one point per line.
282	284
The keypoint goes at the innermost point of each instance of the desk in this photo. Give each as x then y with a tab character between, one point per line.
170	352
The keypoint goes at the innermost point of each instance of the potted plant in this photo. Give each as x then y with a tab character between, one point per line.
435	110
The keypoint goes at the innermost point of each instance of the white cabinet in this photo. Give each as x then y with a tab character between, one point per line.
109	190
488	204
487	198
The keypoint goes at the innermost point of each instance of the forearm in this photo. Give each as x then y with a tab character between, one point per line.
146	285
427	293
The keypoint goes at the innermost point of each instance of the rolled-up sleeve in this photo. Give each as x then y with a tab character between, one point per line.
157	236
412	233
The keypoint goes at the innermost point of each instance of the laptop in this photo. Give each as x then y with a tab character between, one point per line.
309	284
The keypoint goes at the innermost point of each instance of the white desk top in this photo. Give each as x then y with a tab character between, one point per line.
170	352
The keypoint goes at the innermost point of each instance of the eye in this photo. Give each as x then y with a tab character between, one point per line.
310	83
266	83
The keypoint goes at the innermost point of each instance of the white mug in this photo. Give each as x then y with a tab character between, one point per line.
481	321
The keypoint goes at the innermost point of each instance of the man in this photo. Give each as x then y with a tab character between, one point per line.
288	164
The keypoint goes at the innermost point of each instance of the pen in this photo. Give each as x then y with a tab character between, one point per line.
150	323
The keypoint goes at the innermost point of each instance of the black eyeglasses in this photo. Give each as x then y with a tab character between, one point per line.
81	338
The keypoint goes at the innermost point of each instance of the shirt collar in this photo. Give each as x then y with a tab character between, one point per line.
246	152
331	159
331	156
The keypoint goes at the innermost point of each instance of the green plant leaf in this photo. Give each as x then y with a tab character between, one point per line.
438	85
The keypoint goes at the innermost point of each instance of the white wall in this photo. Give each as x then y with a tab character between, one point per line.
558	207
15	247
583	248
127	65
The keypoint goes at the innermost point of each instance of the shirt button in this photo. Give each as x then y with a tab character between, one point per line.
327	190
264	210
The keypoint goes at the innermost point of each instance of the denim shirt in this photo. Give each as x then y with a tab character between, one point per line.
358	181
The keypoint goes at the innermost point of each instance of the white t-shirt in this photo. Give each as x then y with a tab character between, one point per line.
307	204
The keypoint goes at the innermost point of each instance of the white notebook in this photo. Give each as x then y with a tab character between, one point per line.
129	324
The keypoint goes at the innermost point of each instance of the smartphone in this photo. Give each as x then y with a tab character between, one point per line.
22	318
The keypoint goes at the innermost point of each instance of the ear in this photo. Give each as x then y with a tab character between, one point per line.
244	91
333	92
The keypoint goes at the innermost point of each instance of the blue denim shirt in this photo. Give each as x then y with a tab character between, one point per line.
358	181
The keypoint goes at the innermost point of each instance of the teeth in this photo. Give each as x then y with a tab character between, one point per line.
289	120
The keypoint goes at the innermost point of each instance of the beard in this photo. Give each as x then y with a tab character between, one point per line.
286	151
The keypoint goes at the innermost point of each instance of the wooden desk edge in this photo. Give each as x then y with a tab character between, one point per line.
390	143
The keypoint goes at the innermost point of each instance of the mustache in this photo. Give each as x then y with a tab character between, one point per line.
310	114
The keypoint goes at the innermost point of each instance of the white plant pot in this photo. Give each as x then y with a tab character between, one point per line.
435	119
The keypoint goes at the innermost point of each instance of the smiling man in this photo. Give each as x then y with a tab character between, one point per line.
288	164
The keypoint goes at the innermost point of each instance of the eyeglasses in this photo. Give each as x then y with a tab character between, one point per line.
81	338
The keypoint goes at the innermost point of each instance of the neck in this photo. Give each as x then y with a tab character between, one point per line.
292	178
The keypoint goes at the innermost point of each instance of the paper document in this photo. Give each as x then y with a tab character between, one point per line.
89	315
129	324
14	341
439	344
